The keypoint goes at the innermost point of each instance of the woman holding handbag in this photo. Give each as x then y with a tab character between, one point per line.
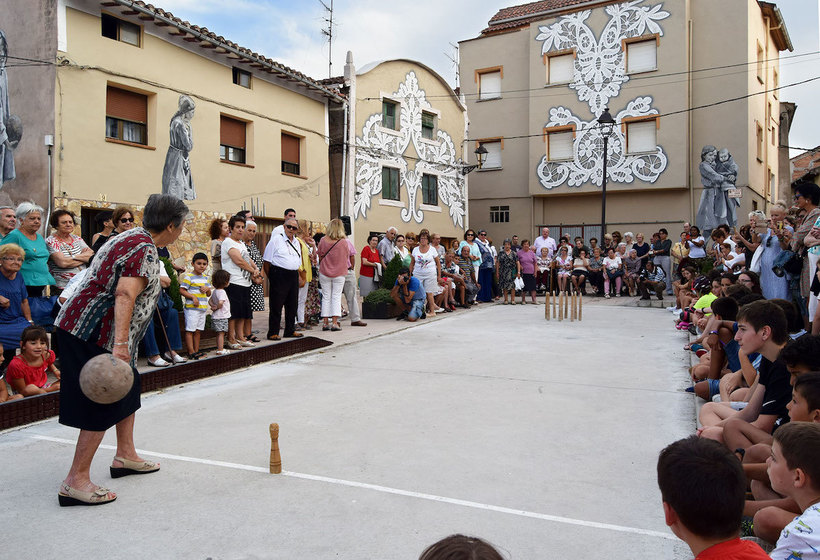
336	255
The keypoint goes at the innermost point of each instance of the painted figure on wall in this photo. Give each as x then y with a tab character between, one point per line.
718	174
11	128
176	175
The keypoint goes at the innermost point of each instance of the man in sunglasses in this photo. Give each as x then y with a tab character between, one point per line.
282	259
280	229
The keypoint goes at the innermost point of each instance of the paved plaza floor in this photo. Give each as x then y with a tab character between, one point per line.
541	437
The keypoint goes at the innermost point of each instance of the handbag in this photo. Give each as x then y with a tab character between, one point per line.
165	302
755	264
41	310
794	265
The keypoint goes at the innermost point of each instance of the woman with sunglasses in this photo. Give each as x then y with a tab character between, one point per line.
123	220
470	242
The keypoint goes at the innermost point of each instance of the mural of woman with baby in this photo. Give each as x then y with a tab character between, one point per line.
176	175
718	174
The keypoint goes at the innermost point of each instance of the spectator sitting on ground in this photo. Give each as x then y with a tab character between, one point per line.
27	372
682	289
543	270
4	392
563	266
460	547
409	295
580	269
762	328
468	274
722	355
632	267
652	278
794	470
195	288
703	488
751	280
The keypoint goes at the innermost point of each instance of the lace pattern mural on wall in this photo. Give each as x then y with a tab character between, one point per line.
599	72
378	147
587	164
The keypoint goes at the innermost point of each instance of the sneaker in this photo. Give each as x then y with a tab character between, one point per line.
671	308
224	352
618	294
606	296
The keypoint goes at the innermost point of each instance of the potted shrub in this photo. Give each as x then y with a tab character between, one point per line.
379	304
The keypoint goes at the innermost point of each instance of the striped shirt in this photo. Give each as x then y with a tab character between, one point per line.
196	285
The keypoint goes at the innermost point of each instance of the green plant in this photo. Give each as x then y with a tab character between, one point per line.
173	289
391	272
381	295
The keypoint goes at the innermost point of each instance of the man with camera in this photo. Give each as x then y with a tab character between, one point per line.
409	295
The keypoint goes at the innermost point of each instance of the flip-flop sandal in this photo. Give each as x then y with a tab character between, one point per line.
69	496
133	467
252	338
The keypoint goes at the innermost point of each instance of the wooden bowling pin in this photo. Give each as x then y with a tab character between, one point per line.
547	305
275	458
580	304
572	305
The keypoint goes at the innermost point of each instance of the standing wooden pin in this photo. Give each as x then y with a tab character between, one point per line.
275	458
572	305
546	305
580	304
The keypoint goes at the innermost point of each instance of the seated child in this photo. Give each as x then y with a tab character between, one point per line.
722	357
221	307
4	392
761	328
794	469
28	371
703	487
195	288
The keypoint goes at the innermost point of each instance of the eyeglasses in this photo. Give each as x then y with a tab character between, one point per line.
470	235
126	220
13	259
292	227
798	195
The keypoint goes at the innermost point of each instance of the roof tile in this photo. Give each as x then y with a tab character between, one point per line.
519	14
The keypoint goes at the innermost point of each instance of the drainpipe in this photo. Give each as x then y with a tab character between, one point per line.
49	142
344	166
689	139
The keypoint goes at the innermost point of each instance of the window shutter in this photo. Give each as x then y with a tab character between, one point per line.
489	85
290	148
561	69
231	132
642	56
641	136
493	155
126	105
559	145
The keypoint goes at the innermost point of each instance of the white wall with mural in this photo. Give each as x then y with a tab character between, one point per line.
599	72
377	147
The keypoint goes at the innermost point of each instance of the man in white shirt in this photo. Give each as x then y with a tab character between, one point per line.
8	220
280	229
544	241
386	248
282	259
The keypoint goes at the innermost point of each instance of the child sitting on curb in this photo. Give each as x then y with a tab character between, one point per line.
28	371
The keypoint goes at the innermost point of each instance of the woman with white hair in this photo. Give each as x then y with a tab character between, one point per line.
35	267
629	240
772	285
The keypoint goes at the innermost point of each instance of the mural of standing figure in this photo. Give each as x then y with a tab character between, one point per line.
727	167
176	175
712	209
11	128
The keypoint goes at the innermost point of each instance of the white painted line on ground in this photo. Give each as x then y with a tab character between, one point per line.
389	490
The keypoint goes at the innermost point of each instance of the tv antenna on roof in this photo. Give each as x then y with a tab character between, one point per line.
454	59
328	32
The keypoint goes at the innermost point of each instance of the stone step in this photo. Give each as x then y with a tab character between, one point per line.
654	302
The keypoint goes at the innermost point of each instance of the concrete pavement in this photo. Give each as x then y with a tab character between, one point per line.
541	437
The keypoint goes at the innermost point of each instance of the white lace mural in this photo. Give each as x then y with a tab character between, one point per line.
378	147
587	165
599	73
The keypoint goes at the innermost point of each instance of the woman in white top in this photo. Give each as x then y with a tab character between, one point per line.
402	251
580	270
614	271
563	263
427	268
237	262
696	244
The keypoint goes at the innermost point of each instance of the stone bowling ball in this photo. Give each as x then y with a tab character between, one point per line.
105	379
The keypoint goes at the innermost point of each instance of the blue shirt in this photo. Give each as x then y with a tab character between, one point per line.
414	286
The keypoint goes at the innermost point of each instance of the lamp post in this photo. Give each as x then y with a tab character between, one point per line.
480	157
607	123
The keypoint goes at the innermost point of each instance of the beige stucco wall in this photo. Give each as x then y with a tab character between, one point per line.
386	79
91	168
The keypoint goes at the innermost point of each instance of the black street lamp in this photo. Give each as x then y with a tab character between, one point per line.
480	157
607	123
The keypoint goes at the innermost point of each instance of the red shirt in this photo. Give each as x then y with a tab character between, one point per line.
373	256
32	375
735	549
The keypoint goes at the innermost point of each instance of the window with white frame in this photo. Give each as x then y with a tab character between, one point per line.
390	111
493	159
559	145
390	183
641	56
561	68
428	125
489	85
429	189
499	214
642	136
